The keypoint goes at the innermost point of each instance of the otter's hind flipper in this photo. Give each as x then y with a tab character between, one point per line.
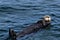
12	34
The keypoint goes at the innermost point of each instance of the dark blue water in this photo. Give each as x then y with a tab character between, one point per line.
17	14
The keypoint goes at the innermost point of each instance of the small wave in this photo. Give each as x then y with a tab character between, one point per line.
9	21
54	5
3	30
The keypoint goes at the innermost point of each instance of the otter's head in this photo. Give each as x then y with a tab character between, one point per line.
46	19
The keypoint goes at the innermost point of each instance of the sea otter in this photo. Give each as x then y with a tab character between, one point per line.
32	28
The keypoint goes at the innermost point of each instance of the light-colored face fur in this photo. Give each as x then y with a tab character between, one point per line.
47	18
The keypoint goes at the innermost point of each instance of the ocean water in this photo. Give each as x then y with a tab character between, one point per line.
18	14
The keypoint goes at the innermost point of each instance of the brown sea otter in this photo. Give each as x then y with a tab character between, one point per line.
32	28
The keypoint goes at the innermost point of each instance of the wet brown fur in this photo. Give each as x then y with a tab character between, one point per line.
32	28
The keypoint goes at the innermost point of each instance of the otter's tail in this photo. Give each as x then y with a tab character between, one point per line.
12	34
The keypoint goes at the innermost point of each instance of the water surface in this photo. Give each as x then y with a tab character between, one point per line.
17	13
